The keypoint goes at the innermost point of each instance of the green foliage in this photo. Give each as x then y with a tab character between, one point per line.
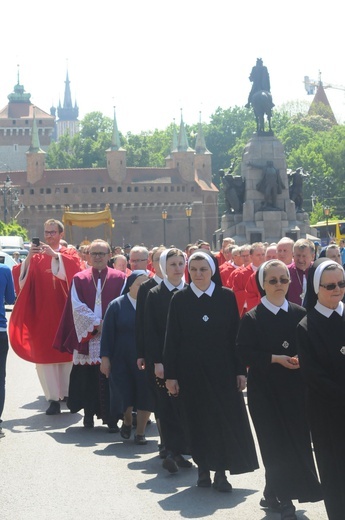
13	229
87	148
318	215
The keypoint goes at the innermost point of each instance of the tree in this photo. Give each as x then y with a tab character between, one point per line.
13	229
85	149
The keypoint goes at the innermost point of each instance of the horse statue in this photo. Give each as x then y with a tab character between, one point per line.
262	104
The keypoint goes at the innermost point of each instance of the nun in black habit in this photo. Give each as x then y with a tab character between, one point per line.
172	264
202	368
128	385
267	345
321	350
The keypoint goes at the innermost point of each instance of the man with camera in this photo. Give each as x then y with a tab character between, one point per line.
42	283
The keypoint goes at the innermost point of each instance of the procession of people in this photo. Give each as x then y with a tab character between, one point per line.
123	335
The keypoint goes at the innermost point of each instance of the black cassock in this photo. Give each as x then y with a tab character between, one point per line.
200	353
321	349
276	401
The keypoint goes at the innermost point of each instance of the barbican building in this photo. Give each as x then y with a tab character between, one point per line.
175	204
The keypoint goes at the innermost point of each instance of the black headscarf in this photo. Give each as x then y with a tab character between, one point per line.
131	279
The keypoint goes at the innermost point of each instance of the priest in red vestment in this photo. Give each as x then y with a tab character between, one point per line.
42	282
241	276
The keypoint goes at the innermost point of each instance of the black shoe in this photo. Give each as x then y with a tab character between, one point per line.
221	483
287	511
270	503
204	479
125	431
88	421
113	428
170	464
54	408
247	105
163	452
182	462
140	440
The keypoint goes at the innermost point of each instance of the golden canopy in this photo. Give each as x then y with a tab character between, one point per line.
89	220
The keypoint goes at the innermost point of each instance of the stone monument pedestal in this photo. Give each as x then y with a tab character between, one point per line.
257	223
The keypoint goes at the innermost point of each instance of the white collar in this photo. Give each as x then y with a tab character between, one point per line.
171	287
198	292
327	312
273	308
132	300
157	279
254	267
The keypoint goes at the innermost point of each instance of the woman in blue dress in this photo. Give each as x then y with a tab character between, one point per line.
128	385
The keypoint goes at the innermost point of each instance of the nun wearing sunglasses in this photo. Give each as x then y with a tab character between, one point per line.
321	349
267	344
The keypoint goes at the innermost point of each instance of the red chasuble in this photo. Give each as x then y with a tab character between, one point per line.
38	309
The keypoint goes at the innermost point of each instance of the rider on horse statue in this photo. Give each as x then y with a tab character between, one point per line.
260	78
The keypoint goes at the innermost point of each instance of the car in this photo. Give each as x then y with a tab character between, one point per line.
7	259
23	253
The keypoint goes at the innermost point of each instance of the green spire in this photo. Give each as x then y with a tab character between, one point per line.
115	139
182	144
174	140
200	144
19	95
35	146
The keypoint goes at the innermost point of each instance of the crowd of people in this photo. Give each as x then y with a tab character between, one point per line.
127	332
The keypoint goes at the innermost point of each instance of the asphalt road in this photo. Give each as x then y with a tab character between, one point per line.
52	468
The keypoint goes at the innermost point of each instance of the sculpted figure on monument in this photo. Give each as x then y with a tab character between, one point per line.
233	186
260	78
270	184
260	97
296	187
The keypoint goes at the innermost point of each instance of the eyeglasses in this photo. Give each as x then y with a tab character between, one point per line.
98	253
274	281
137	261
332	286
51	233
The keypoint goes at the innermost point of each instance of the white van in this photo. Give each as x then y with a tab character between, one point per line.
9	242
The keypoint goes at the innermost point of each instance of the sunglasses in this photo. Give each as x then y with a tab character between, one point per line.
332	286
274	281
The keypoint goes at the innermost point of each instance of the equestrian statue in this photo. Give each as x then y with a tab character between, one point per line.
260	97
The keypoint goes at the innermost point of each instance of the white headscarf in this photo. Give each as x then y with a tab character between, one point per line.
207	257
262	270
318	273
163	261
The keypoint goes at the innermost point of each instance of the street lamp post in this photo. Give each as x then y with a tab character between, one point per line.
189	210
11	199
164	217
326	212
6	190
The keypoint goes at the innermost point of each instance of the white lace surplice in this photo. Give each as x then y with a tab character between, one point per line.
85	320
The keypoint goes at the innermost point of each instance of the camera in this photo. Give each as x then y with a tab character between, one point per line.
36	241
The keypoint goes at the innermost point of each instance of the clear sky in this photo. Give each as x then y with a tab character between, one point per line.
150	59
